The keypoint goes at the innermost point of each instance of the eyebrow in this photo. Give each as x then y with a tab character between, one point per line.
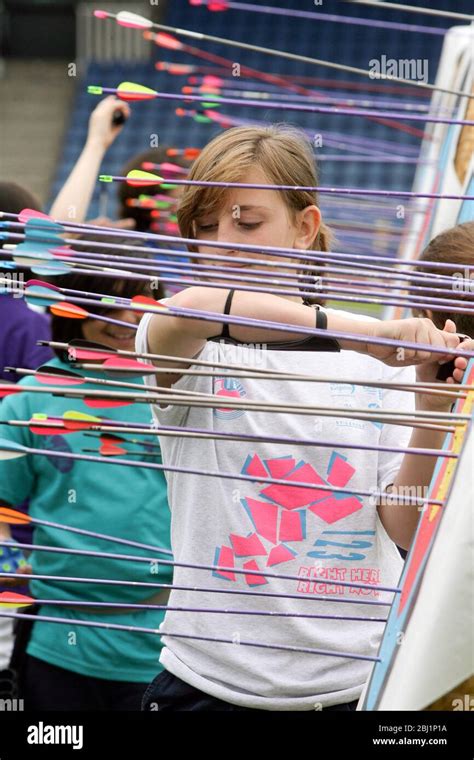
201	214
251	208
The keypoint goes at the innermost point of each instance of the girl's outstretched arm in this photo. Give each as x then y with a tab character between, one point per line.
185	337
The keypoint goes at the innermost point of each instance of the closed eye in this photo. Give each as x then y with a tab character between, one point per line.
250	225
206	227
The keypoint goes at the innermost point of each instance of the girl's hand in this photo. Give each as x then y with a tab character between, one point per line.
414	330
102	132
428	372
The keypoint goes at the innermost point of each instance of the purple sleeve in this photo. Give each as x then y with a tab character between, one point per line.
20	328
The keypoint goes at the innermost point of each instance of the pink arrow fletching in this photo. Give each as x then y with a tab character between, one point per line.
102	403
118	363
85	354
220	6
43	284
57	429
168	41
30	213
8	390
52	378
63	250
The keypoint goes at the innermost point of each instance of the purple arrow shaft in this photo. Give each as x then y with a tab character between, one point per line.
226	475
136	427
306	188
171	586
211	316
140	629
93	534
189	565
308	255
371	296
288	12
305	108
206	610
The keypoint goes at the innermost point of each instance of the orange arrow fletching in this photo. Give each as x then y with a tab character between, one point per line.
111	450
147	301
11	600
70	310
13	516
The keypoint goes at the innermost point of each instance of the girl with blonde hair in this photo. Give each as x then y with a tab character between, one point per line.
322	538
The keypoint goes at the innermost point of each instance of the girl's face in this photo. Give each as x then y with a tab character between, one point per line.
257	217
114	336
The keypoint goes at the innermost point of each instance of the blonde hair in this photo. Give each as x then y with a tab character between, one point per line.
282	152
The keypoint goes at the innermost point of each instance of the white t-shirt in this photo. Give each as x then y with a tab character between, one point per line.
319	536
6	642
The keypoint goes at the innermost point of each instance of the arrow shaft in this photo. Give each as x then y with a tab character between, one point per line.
215	317
156	632
302	107
394	416
188	565
206	610
249	372
306	59
352	20
306	188
93	534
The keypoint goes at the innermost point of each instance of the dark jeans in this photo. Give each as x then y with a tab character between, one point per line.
168	693
47	687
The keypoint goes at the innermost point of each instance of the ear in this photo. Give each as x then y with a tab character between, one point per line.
307	224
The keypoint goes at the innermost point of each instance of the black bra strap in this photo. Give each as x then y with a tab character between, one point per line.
228	303
311	343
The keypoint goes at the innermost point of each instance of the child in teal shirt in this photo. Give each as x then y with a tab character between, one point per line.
127	502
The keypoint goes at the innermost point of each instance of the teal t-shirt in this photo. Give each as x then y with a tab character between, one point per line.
127	502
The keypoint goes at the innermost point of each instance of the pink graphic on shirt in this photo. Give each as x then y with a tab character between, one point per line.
292	526
256	468
292	497
280	553
264	516
278	468
340	472
331	509
280	516
247	546
254	580
225	558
